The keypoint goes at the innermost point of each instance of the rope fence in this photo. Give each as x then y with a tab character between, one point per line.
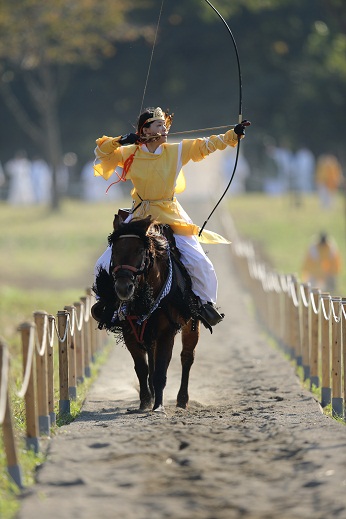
74	333
308	324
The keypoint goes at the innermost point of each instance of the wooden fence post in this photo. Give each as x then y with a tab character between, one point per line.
86	336
292	325
28	345
337	400
326	390
306	329
41	321
343	321
50	370
71	341
64	402
7	425
79	341
296	324
315	339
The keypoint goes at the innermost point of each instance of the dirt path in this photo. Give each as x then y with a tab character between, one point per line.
253	443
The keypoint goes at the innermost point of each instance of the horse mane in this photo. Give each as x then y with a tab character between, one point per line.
148	230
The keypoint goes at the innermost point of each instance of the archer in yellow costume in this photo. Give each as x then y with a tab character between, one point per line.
155	170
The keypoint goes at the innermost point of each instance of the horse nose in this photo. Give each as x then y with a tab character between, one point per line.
124	289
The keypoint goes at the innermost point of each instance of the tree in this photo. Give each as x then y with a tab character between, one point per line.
40	44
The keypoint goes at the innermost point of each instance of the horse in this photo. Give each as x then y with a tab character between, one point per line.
146	296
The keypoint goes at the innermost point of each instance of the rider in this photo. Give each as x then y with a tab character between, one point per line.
155	170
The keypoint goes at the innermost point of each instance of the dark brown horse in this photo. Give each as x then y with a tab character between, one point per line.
146	297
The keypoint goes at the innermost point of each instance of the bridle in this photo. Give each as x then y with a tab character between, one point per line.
124	270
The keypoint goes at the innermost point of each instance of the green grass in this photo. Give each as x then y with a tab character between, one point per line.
283	232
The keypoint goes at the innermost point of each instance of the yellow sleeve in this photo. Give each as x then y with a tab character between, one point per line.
108	153
198	149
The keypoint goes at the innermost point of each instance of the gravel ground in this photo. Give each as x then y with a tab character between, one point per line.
252	444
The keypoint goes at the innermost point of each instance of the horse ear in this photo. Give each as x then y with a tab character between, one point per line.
117	222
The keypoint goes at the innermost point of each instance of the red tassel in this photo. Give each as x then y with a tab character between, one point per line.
127	165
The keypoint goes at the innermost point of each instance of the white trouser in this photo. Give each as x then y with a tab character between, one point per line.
199	266
193	257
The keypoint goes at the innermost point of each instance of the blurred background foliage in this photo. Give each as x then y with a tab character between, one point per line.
74	70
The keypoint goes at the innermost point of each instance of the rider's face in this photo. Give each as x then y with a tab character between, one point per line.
155	128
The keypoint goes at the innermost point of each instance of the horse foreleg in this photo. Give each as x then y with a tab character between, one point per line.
142	371
151	364
190	335
164	347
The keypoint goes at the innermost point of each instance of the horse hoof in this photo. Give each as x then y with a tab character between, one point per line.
160	410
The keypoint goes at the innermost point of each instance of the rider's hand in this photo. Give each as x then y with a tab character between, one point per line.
129	138
239	129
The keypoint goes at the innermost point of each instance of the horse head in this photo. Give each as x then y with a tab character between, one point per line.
133	254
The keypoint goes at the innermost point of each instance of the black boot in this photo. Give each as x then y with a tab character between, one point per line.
97	311
209	315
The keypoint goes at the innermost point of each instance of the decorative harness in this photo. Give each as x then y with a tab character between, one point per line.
138	323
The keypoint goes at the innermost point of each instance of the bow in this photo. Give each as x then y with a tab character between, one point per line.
240	117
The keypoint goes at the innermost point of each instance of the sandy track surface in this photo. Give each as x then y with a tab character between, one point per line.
252	444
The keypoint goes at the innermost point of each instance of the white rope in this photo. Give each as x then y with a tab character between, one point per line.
333	300
283	278
51	318
304	299
294	294
41	348
22	392
323	297
343	311
316	309
81	318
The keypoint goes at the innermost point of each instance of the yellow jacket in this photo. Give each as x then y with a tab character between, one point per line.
156	177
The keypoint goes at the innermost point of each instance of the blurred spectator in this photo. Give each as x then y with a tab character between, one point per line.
278	169
20	189
91	191
303	166
328	179
242	172
322	263
41	176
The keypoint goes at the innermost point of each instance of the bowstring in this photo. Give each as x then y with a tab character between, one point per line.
151	56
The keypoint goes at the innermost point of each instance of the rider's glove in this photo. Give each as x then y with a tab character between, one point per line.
129	138
239	129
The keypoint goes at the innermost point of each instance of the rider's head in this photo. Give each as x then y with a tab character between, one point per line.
154	115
